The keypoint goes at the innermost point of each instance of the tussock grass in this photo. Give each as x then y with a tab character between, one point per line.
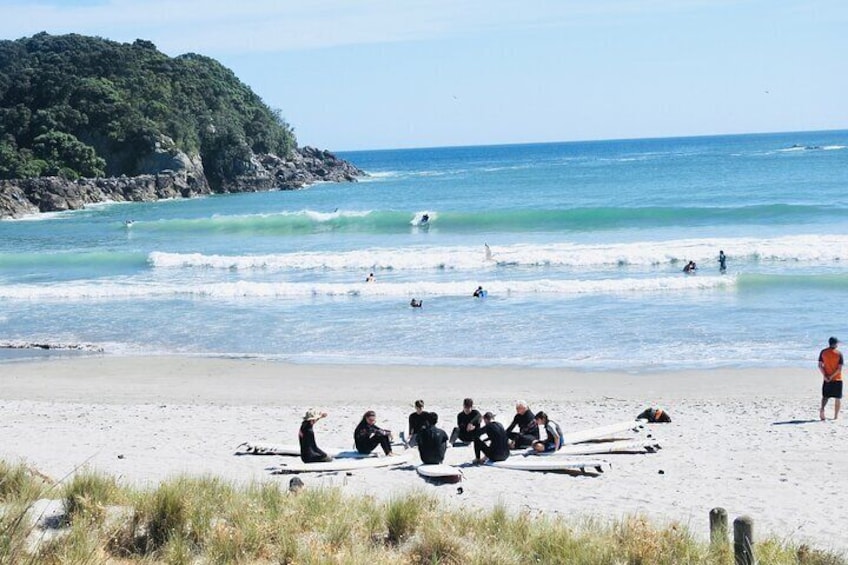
207	520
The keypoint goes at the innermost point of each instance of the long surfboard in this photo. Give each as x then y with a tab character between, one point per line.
446	473
618	446
551	464
342	465
250	448
602	431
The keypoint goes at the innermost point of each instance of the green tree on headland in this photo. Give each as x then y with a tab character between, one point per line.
72	105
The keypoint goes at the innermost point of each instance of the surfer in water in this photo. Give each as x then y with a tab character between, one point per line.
309	450
690	268
415	303
722	262
425	218
487	251
479	293
370	278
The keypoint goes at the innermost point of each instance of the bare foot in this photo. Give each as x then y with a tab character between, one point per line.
821	415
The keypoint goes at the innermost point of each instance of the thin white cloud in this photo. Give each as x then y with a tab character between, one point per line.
223	26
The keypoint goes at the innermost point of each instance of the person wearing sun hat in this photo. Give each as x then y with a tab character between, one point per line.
309	450
830	365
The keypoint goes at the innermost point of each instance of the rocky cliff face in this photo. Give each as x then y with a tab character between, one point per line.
172	175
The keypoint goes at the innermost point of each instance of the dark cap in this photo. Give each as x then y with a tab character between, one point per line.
832	341
419	404
489	416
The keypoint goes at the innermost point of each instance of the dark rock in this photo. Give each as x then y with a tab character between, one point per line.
173	174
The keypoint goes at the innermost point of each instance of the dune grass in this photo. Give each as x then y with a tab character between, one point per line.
206	520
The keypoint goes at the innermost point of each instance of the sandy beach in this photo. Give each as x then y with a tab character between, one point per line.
746	440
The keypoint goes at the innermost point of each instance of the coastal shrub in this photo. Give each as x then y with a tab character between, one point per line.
19	483
207	520
88	494
403	514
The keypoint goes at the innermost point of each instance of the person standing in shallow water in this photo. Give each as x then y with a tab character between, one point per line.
830	365
722	262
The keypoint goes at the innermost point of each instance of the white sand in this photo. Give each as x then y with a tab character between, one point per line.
144	419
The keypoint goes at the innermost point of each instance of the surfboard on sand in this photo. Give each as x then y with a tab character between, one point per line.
250	448
342	465
442	472
602	431
552	464
618	446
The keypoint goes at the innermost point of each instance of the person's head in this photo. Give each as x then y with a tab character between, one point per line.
432	418
419	405
541	418
467	405
311	415
369	417
488	417
721	251
520	407
833	342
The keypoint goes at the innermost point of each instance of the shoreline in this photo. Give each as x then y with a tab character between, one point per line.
745	440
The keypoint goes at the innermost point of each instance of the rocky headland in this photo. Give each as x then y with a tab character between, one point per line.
179	177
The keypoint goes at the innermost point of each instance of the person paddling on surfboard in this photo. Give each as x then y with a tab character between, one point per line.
479	293
492	441
368	435
309	450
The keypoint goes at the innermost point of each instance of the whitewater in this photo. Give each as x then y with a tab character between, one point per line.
580	247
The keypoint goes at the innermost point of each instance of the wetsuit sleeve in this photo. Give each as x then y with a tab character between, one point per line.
515	422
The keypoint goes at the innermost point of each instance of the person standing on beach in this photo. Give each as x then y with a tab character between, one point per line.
722	262
432	441
525	421
368	435
830	365
491	442
309	450
467	423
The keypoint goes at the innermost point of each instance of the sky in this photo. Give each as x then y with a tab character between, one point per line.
380	74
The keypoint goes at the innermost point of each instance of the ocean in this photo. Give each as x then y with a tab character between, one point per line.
586	245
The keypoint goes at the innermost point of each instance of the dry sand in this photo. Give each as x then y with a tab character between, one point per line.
746	440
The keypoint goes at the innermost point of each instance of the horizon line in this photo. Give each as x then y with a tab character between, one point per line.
585	140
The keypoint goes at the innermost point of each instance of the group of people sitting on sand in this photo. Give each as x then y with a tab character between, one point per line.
489	438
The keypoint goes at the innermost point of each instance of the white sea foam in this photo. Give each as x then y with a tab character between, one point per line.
809	249
249	289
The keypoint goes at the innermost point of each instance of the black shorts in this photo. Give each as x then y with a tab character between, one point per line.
832	389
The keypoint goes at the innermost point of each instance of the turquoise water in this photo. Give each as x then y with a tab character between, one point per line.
586	246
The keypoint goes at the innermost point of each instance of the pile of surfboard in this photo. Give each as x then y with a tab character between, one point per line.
343	459
604	440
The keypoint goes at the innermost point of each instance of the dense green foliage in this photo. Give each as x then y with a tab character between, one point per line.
82	106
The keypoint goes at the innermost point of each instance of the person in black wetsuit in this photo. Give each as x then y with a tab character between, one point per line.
432	441
492	441
368	435
524	420
418	420
309	450
467	423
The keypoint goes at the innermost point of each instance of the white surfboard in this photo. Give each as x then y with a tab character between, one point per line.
618	446
603	431
551	464
342	465
250	448
442	472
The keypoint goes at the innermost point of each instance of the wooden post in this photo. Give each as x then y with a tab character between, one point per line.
718	526
743	540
